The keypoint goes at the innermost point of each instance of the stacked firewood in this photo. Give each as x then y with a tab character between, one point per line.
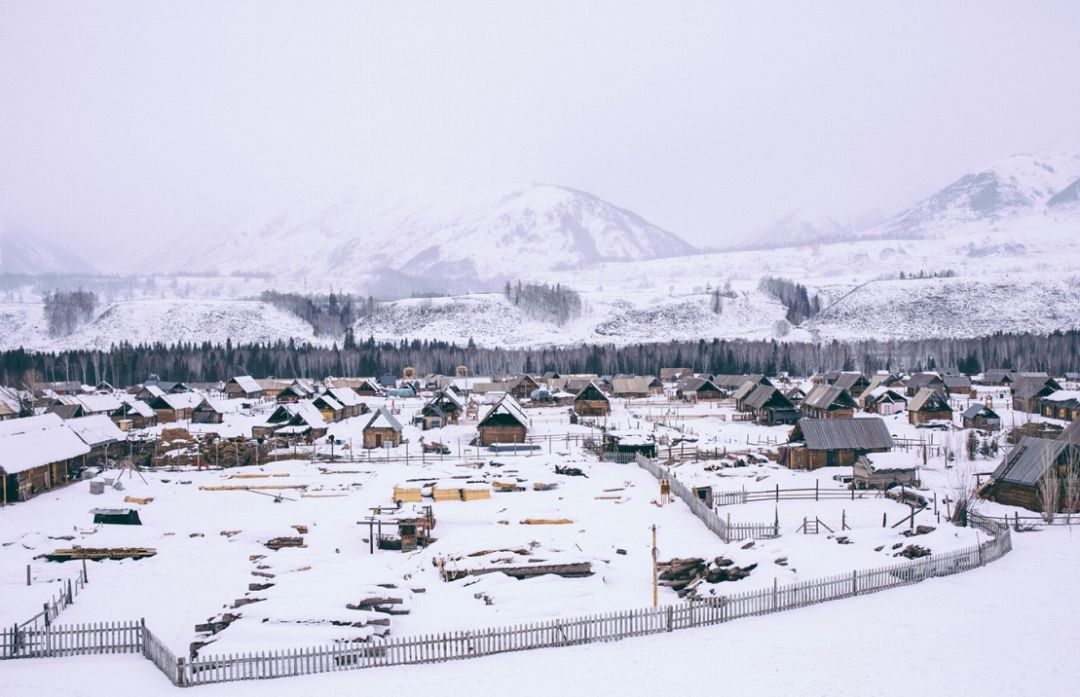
685	575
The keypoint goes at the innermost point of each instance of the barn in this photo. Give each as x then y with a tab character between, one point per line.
37	453
818	443
505	422
929	405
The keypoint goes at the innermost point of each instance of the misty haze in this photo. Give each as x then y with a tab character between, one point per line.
340	341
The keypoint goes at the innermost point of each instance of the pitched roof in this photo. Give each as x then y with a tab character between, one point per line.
845	434
96	430
632	385
35	441
509	406
138	406
345	395
928	399
825	396
976	409
746	389
763	394
847	380
246	383
1027	386
956	380
329	401
383	419
1028	460
590	392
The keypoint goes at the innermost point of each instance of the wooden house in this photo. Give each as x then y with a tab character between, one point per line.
730	383
590	401
37	453
300	420
795	395
505	422
828	402
695	389
743	392
296	391
982	417
958	384
855	383
350	401
174	406
769	406
883	401
382	431
929	405
1061	404
672	375
885	380
332	410
208	412
243	387
66	411
1017	479
920	381
444	408
521	386
999	377
1028	391
885	470
100	434
134	413
818	443
636	386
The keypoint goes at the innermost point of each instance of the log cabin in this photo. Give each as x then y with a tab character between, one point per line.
1016	481
350	401
828	402
929	405
1029	389
769	406
981	417
884	401
37	453
332	410
590	401
243	387
505	422
444	408
885	470
695	389
1061	404
920	381
382	430
818	443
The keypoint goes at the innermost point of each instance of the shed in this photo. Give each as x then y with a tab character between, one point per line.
36	454
885	470
116	516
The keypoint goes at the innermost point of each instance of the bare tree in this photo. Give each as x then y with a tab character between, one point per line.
961	481
1071	500
1049	487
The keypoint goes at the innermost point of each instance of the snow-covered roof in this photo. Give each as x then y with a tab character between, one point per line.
154	391
330	402
96	430
247	383
308	413
345	395
182	400
99	403
36	441
1063	396
383	419
138	406
507	405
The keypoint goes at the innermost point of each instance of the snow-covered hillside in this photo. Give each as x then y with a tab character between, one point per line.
23	251
474	236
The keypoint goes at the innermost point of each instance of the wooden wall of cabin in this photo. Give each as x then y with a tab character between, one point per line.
509	433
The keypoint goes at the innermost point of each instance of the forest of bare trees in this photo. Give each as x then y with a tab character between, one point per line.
66	310
126	364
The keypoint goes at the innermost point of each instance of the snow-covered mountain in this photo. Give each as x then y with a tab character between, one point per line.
1007	188
23	251
472	236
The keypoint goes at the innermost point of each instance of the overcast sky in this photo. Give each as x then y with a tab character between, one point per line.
123	120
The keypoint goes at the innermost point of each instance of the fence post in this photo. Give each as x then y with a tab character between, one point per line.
180	682
775	594
46	607
855	582
670	618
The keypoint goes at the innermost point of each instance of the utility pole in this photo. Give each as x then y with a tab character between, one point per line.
655	580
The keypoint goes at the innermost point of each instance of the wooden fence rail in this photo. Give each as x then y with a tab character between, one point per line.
135	637
730	498
722	528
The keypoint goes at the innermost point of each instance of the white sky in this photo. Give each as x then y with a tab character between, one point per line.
124	120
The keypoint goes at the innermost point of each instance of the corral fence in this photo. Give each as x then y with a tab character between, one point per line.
135	637
815	493
722	528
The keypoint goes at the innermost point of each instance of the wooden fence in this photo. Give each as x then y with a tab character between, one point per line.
815	493
57	604
135	637
723	528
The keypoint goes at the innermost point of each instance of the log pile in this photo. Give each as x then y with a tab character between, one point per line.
685	575
279	542
98	553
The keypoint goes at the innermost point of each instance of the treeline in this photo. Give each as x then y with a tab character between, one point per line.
66	310
329	315
800	306
544	303
127	364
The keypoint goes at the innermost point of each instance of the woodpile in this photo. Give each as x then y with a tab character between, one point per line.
570	471
573	570
135	499
279	542
547	521
407	494
913	552
98	553
685	575
251	487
